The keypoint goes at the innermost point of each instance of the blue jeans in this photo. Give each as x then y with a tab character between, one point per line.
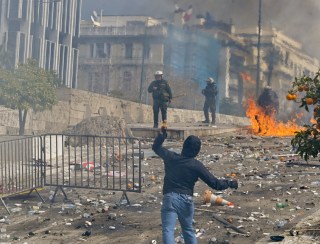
179	206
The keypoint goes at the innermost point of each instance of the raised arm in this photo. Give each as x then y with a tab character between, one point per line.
159	149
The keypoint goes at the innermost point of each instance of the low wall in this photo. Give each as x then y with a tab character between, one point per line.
76	105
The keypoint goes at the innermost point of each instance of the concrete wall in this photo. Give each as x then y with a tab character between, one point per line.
76	105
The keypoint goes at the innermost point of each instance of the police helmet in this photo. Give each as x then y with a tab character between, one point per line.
210	80
159	72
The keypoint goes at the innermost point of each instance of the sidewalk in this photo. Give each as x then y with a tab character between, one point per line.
183	130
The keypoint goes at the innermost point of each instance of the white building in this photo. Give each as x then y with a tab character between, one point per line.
45	30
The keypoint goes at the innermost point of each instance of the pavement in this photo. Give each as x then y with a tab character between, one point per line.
298	233
183	130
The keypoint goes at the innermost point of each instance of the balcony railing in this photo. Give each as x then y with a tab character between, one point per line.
116	61
101	61
122	31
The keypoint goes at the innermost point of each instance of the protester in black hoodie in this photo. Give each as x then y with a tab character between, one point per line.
181	174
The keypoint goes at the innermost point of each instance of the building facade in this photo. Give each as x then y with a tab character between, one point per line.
44	30
122	54
282	59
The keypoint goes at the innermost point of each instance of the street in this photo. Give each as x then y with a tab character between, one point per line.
272	198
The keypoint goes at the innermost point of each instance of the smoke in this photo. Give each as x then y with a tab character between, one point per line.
159	9
296	18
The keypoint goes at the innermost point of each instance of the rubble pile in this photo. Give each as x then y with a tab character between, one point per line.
99	126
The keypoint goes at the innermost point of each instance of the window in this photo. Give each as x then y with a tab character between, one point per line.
22	47
146	51
102	50
286	58
92	51
15	10
127	80
97	82
24	9
128	51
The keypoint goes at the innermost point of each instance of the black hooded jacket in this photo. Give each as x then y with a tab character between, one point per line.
182	171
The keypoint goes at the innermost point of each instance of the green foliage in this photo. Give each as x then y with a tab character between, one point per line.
307	90
28	87
306	142
227	106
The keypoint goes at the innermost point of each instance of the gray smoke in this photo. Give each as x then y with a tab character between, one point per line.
296	18
159	9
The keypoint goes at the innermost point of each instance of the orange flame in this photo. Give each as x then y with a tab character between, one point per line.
246	77
266	125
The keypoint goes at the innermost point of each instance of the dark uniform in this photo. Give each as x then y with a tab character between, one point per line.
210	93
269	101
161	94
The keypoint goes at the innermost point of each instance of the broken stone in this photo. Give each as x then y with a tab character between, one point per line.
15	210
86	233
112	216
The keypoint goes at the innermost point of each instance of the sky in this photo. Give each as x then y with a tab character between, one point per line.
299	19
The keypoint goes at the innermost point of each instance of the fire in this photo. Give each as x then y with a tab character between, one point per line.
266	125
246	77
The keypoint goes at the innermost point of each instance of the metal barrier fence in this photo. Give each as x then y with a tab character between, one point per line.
92	162
76	161
21	169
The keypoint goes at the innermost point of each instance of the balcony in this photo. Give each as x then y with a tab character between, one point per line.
116	61
94	61
122	31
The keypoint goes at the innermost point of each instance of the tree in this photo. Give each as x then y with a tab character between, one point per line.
28	87
307	89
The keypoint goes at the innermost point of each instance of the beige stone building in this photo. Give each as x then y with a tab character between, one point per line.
121	55
282	59
112	60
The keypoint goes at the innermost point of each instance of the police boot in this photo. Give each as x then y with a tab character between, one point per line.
213	119
206	115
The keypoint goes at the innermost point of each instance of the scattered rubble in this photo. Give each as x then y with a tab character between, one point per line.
271	199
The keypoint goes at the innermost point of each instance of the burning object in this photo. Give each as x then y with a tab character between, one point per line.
265	124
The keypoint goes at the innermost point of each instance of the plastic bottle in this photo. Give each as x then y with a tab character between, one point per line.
280	223
315	183
282	204
69	206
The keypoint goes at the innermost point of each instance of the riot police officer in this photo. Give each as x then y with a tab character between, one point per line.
210	92
162	96
269	101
